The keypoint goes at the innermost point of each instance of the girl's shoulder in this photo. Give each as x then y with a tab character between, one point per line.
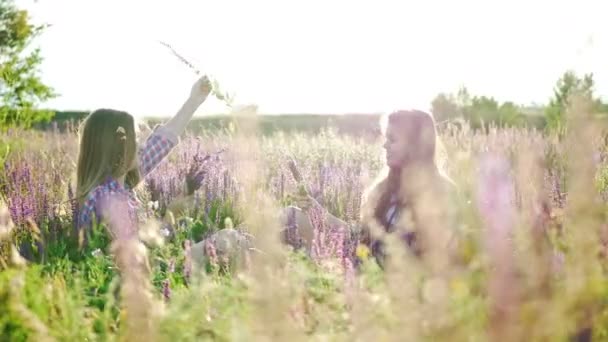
103	197
99	192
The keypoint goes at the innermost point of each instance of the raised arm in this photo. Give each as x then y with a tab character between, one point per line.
200	90
166	136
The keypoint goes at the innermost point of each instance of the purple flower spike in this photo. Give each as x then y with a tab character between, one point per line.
166	290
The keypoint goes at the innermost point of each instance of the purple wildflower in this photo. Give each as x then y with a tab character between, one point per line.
187	260
171	266
166	290
496	205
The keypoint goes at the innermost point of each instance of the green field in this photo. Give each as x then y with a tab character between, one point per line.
555	288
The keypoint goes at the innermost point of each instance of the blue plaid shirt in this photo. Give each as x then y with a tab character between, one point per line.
153	151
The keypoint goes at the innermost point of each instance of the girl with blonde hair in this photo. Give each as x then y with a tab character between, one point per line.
111	165
412	196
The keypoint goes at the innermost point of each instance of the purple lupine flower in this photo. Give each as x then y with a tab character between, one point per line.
44	207
208	199
211	253
328	240
28	193
349	280
166	290
27	207
496	205
323	175
14	206
187	260
496	196
74	206
291	234
282	186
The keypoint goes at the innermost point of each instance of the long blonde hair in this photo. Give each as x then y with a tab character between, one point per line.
108	148
428	147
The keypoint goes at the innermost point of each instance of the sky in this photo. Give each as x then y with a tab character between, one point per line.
314	56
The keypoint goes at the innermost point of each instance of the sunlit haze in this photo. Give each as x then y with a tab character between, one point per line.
315	56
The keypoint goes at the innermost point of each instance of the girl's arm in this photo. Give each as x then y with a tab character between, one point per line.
305	203
177	124
165	137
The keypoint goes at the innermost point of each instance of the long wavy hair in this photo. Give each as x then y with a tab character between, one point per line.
424	168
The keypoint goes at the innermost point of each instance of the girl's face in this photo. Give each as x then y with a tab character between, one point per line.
409	138
396	146
142	132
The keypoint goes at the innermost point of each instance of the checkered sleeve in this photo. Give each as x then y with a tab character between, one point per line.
155	149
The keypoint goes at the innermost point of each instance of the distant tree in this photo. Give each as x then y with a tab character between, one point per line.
444	108
463	97
21	89
567	86
477	110
511	114
482	110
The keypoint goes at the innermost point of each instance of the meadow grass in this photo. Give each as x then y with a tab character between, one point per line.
532	222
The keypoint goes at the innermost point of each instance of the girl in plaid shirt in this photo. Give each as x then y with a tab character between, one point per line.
110	164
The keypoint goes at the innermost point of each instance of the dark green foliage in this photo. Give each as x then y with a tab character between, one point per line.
483	111
566	87
21	89
366	125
